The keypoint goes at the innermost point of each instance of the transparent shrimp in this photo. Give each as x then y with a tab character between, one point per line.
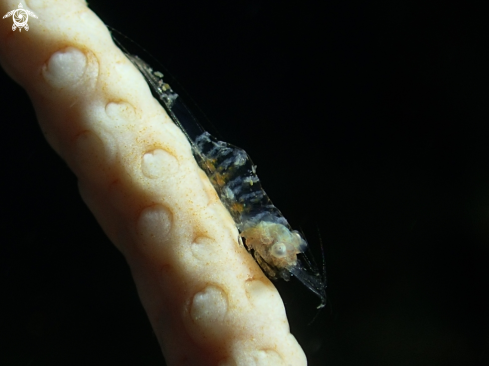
279	250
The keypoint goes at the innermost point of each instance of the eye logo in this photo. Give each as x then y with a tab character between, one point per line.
20	17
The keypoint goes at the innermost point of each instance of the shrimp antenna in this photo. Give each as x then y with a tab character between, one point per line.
323	279
323	256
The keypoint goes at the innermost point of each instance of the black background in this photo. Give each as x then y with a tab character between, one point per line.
369	124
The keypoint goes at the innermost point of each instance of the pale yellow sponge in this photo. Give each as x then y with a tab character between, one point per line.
208	301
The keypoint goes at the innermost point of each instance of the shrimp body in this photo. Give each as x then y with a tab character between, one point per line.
265	232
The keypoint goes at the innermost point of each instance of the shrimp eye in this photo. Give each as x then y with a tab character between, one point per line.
278	250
